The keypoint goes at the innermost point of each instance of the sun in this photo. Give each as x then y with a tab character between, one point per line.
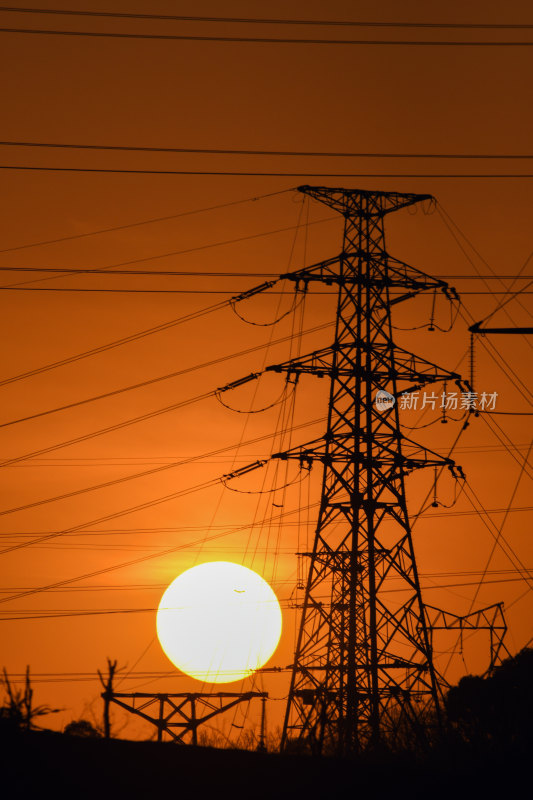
219	622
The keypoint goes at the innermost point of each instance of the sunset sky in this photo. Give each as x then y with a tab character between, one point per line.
224	234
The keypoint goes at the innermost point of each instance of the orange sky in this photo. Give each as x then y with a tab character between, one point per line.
249	96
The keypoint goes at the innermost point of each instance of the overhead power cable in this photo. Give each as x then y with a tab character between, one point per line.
127	532
126	423
267	40
497	535
172	273
509	446
105	570
141	506
243	152
150	221
145	291
266	21
120	587
159	379
500	529
211	245
21	615
146	473
116	290
501	304
117	343
500	361
264	174
202	274
111	428
454	230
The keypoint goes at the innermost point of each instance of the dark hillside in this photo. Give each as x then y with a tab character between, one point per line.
54	765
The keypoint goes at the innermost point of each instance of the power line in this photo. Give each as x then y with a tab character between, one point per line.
62	583
487	345
111	428
449	222
500	529
234	151
150	221
229	173
152	586
284	601
141	559
139	507
265	40
113	532
116	343
187	250
202	274
123	460
149	331
174	273
497	534
502	363
143	474
159	379
263	21
149	291
206	292
499	306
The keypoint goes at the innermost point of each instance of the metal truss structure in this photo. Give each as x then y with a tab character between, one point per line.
363	671
363	666
180	715
489	619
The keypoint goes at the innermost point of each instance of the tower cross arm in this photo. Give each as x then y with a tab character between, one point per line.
319	362
412	456
335	361
411	367
417	456
326	271
331	271
375	203
401	274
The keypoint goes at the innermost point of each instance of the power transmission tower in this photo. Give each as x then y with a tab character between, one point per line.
363	667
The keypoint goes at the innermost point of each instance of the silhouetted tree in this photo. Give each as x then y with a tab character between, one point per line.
18	711
496	710
82	727
107	683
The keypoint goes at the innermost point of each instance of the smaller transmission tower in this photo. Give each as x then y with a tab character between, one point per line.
180	714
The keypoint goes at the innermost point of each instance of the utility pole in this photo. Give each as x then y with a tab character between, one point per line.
363	670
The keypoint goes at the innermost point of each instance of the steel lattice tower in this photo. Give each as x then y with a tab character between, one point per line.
363	665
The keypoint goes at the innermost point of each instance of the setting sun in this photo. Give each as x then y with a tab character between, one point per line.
219	622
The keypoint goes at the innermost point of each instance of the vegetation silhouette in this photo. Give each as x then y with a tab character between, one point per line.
83	728
495	712
484	748
107	683
18	711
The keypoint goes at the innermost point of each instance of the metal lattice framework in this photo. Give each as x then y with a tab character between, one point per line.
363	669
179	715
363	665
489	619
